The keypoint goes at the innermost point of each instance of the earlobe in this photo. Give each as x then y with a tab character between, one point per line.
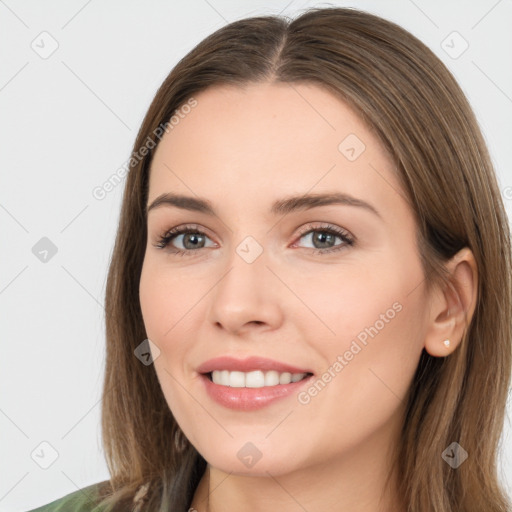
452	308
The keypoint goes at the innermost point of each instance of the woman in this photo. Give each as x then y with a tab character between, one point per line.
309	299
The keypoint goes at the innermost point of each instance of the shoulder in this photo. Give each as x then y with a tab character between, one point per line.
83	500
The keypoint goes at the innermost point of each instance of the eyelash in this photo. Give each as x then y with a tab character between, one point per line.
166	238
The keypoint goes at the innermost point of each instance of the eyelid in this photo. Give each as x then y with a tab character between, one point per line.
319	226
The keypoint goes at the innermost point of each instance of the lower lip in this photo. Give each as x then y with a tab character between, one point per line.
250	399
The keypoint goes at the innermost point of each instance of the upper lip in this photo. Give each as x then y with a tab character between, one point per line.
247	365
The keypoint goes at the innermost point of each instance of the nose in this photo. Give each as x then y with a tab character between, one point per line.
247	296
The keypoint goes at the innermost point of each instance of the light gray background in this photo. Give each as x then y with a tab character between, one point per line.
67	123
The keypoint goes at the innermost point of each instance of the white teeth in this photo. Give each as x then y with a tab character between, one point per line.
285	378
236	380
254	379
272	378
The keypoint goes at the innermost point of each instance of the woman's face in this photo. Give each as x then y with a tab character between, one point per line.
332	287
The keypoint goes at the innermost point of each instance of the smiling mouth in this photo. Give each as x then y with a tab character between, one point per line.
254	379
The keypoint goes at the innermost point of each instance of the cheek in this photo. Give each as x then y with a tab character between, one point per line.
153	302
164	304
369	365
373	320
164	301
345	301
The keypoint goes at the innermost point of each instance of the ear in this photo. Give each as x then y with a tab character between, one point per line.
452	308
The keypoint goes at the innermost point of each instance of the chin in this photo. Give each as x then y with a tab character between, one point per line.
252	458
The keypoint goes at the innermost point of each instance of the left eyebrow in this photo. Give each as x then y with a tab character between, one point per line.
279	207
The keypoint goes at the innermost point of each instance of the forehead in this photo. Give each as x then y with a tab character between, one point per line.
263	141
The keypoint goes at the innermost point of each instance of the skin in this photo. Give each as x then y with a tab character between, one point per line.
242	149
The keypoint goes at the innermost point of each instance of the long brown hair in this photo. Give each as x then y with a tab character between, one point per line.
414	105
